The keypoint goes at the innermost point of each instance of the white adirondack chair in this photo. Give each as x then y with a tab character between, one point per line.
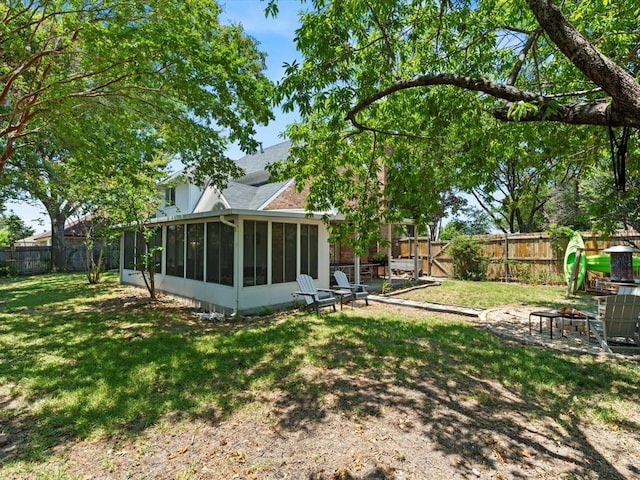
357	291
618	320
317	298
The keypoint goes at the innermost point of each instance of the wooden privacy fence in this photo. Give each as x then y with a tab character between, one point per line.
526	257
37	259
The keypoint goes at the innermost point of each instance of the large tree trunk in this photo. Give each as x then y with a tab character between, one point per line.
600	69
58	263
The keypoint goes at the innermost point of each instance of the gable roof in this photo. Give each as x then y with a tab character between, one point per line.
249	197
255	164
252	191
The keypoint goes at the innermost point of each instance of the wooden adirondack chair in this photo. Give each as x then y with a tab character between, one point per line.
617	320
357	291
317	298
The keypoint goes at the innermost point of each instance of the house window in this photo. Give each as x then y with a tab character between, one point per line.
283	252
129	250
169	196
309	250
255	253
195	251
220	253
175	250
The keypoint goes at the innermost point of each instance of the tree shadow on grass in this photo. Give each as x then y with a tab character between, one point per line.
479	402
74	376
118	368
26	293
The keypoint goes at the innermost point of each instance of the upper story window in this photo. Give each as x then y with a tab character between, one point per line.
170	196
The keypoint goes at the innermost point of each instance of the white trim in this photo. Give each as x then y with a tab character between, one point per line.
293	214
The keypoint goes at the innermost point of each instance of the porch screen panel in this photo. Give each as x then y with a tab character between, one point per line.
227	254
255	253
195	251
277	252
213	252
129	250
290	252
156	242
309	250
141	249
283	252
175	250
220	253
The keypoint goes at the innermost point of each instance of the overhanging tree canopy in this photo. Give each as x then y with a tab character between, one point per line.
67	169
197	82
606	59
401	73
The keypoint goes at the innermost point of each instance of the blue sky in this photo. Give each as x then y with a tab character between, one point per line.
275	37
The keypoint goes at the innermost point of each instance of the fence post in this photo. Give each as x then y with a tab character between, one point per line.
507	273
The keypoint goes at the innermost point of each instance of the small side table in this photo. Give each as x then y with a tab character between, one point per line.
343	294
548	315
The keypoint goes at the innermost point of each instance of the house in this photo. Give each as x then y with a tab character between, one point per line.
238	250
74	234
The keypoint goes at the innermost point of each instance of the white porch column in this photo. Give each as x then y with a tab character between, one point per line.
389	251
416	251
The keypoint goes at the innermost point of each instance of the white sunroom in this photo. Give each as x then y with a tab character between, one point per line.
234	261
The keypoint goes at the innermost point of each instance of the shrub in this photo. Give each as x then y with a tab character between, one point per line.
525	273
558	236
468	261
7	270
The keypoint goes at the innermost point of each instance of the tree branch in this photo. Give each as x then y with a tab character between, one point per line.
586	113
599	112
620	85
497	90
598	68
515	71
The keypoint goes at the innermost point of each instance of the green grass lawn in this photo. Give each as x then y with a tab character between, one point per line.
82	361
494	294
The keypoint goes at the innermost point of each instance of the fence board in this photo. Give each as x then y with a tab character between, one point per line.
513	254
35	260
